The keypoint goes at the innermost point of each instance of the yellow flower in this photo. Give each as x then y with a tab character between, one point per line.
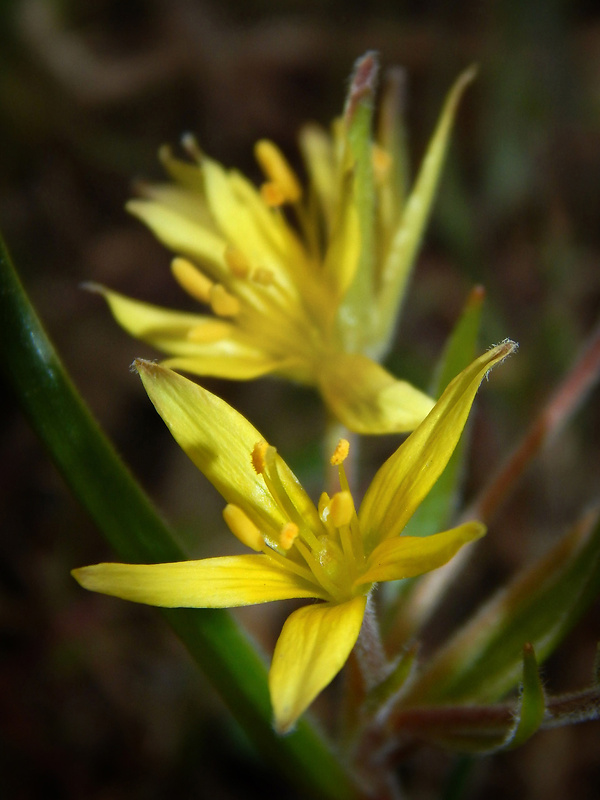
330	553
301	284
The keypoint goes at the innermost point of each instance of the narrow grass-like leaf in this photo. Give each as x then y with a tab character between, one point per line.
98	478
482	661
358	120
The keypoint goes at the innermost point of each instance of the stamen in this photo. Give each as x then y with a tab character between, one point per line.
242	527
318	570
263	276
265	457
341	509
355	544
291	566
191	280
288	535
237	262
277	170
223	303
340	453
259	456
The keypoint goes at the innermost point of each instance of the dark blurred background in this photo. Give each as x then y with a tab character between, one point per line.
97	698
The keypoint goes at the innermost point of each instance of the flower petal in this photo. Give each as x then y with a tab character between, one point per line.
407	556
182	235
218	440
163	328
199	343
313	646
210	583
405	479
229	360
235	218
367	399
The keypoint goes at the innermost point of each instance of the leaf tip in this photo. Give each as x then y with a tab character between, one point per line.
362	83
476	297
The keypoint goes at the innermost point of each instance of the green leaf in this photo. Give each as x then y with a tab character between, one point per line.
356	307
383	693
482	661
131	525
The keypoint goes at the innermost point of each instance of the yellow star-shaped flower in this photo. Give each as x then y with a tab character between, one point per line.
301	284
330	552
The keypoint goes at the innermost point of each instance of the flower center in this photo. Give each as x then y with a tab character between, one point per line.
322	545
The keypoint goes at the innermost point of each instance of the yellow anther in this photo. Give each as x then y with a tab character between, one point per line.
341	509
237	262
242	527
191	280
272	194
340	453
278	171
223	303
263	276
382	163
288	535
259	455
213	330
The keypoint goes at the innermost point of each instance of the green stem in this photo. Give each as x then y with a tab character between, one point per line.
98	478
369	649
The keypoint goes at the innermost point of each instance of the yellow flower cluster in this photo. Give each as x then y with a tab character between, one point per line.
304	284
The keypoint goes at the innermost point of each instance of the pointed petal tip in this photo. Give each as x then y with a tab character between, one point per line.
469	75
284	727
147	369
85	575
504	349
92	286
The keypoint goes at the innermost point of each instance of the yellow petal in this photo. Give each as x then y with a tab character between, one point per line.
235	217
184	173
182	201
202	344
182	235
210	583
217	439
226	359
405	479
407	556
199	344
367	399
313	646
148	322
